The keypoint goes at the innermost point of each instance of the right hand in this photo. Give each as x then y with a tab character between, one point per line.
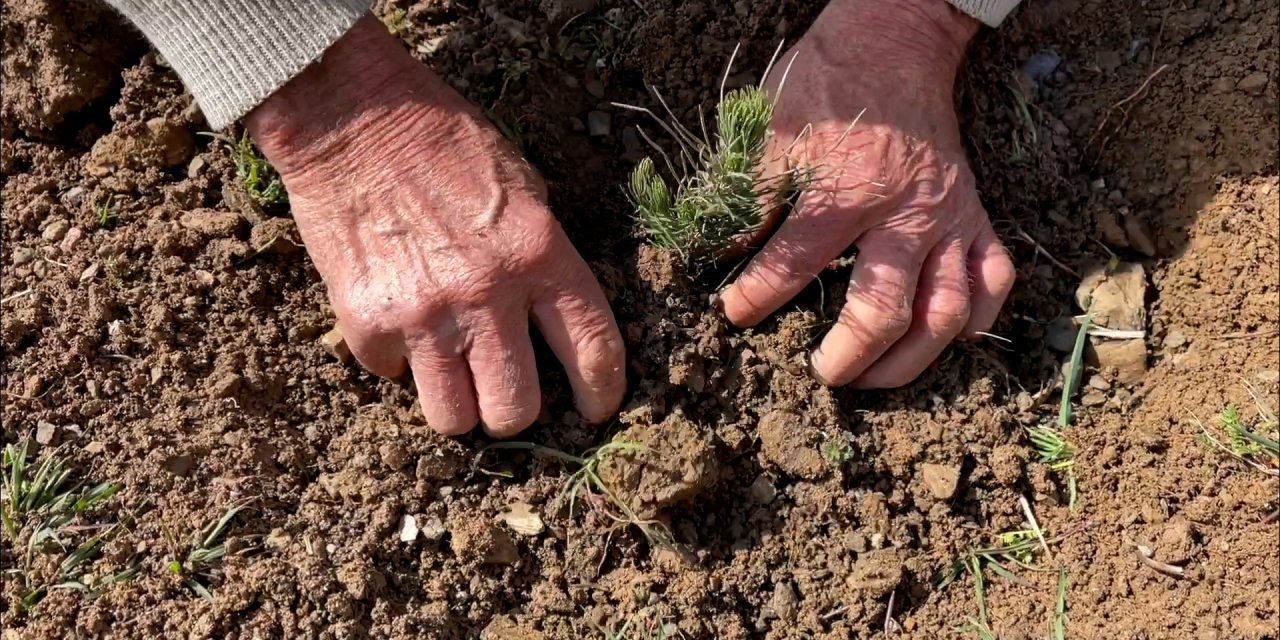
434	239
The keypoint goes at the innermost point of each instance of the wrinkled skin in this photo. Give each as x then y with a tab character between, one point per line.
434	239
438	249
895	184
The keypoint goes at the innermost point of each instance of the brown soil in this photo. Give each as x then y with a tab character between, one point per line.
175	350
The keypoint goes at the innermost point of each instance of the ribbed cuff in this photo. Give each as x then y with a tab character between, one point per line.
232	54
990	12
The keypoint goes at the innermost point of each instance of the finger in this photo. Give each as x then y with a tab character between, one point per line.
505	373
380	354
444	388
939	313
814	235
877	308
993	277
577	324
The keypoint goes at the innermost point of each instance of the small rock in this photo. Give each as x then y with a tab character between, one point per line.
55	230
523	519
791	445
473	540
1099	184
1116	298
225	386
1175	339
784	602
23	255
1177	542
278	539
877	573
942	480
336	345
1098	382
1061	334
433	529
90	272
1138	233
1254	83
32	386
194	168
46	433
211	222
762	490
179	465
1128	358
408	528
394	455
1108	225
71	239
73	197
1093	399
599	123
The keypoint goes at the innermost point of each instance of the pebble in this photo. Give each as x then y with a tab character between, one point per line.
55	231
433	529
1175	339
394	455
784	603
1254	83
942	480
1094	399
409	529
73	197
46	433
23	255
1062	334
225	386
599	123
72	238
762	491
194	168
1098	382
335	345
1127	357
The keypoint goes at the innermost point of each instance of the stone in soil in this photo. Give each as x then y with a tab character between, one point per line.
475	540
509	628
675	463
1116	298
790	444
211	222
1125	359
942	480
335	345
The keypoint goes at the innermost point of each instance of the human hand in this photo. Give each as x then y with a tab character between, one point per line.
895	184
434	239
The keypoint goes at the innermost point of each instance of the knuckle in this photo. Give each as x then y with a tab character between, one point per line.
509	416
951	313
601	352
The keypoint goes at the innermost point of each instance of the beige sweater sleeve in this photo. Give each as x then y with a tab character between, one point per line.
990	12
232	54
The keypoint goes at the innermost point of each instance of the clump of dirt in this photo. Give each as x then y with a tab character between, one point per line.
663	465
169	330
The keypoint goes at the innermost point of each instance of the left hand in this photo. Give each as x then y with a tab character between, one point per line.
895	184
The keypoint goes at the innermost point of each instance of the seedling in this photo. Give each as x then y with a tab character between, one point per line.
1253	444
103	212
586	485
837	451
1073	376
258	178
397	22
43	502
208	548
721	189
1058	454
1060	611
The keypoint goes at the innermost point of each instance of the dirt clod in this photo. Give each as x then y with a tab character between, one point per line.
675	463
476	541
1177	542
508	628
941	480
211	222
335	345
789	444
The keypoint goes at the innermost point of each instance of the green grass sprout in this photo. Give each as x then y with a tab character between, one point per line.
1060	611
208	548
104	212
258	178
1073	377
585	485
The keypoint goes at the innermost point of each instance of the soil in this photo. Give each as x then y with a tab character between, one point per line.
174	347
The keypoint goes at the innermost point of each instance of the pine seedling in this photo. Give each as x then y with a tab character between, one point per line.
720	190
1055	451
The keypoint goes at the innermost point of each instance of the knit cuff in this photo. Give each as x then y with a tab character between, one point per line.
990	12
233	54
